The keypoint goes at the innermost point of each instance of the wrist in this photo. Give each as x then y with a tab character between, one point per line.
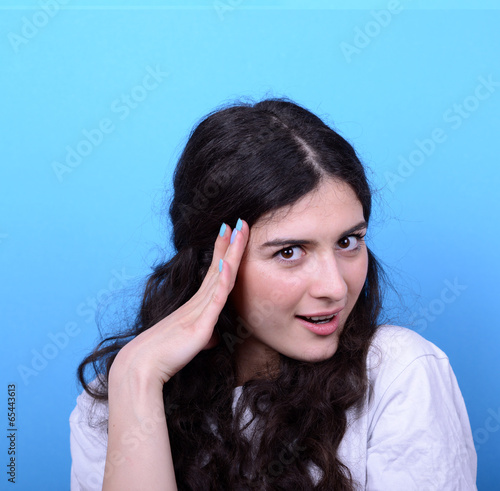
136	378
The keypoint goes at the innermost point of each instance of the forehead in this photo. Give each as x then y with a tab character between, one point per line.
332	202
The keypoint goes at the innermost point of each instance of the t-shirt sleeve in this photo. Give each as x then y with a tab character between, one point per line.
88	442
419	436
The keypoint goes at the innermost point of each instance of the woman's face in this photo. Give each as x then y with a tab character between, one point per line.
306	260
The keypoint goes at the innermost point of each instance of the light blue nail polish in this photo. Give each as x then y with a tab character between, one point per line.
222	230
221	262
239	224
233	235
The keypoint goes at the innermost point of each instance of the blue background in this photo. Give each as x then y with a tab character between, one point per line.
81	235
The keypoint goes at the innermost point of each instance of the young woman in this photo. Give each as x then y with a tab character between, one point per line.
257	359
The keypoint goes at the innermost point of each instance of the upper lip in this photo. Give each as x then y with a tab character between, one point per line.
321	314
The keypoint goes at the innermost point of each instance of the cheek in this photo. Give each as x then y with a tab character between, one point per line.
267	290
282	295
273	289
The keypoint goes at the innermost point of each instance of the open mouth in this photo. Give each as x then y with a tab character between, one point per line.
318	320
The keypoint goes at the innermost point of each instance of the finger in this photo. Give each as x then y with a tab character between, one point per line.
218	288
201	298
216	297
220	247
236	250
214	341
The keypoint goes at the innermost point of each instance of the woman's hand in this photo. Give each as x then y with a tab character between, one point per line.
139	454
162	350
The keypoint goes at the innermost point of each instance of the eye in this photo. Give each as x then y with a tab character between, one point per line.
289	254
350	243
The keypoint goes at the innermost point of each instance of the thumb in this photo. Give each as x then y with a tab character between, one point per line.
214	341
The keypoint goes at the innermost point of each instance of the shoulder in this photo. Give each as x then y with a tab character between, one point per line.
418	429
402	363
401	360
398	346
90	412
88	441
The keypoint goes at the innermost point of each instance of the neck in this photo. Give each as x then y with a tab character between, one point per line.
251	366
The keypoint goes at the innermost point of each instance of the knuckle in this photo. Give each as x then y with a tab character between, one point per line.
212	269
217	298
187	321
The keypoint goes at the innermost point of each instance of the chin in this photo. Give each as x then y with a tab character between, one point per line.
315	355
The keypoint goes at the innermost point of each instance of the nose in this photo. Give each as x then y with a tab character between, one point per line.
326	279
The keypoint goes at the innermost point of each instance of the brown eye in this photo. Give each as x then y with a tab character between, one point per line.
344	243
287	253
350	243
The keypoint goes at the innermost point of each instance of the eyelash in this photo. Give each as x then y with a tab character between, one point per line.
359	237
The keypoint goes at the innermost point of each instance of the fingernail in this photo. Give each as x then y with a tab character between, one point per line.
222	230
239	224
233	235
221	262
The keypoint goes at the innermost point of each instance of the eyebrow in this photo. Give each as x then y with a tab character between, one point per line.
283	242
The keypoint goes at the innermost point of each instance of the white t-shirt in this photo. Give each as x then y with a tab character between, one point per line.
413	434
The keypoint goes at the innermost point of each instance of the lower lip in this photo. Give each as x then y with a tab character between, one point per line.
321	329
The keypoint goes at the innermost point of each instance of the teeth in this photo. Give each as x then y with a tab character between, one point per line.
322	318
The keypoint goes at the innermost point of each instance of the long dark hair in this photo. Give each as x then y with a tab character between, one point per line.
246	160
